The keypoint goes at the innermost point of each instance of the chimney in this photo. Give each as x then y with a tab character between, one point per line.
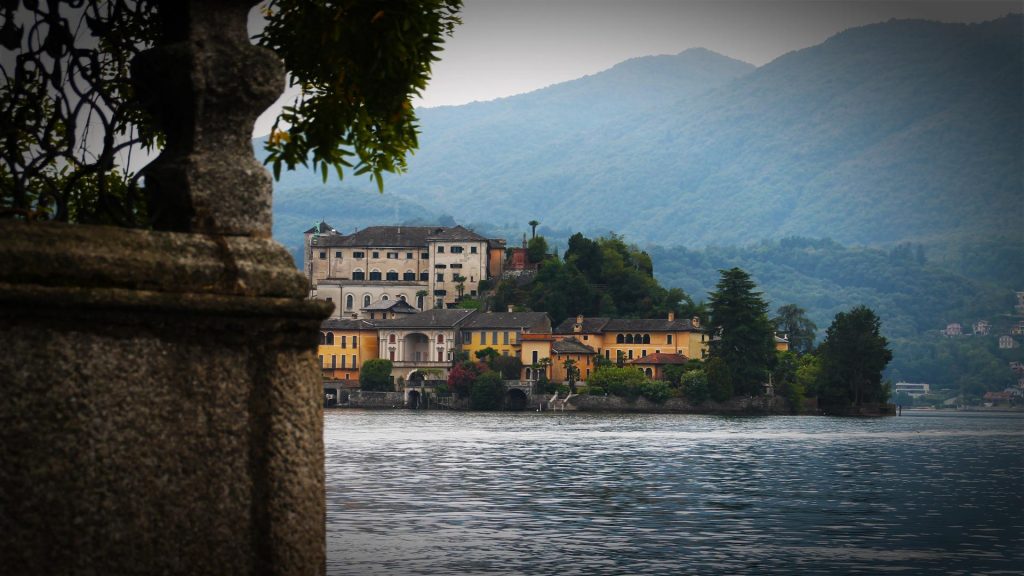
671	316
578	326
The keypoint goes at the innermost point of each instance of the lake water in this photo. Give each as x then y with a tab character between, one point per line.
565	493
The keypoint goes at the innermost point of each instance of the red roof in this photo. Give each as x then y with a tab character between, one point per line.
998	396
660	358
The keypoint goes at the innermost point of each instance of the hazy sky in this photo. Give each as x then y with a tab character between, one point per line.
507	47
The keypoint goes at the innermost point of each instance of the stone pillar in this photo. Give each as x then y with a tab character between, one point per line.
161	398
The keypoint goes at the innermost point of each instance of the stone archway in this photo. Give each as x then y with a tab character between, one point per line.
415	400
515	399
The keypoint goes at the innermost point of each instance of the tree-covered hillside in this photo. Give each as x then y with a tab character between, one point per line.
901	131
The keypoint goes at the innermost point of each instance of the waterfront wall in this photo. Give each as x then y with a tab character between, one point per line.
745	405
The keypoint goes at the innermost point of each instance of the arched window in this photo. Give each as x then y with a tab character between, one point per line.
358	274
647	338
392	275
401	297
648	372
349	302
629	338
440	338
409	276
638	339
374	274
366	300
323	338
620	339
330	339
384	298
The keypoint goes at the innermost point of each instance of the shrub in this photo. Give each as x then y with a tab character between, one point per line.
595	391
375	375
655	390
618	381
694	385
488	392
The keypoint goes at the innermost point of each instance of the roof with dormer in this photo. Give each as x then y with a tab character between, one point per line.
526	321
599	325
571	346
346	324
399	306
437	318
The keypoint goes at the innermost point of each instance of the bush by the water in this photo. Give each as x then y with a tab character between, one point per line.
487	392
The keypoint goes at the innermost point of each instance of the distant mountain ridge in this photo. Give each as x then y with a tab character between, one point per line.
900	131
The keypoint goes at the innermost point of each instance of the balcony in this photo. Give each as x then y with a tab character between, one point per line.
421	364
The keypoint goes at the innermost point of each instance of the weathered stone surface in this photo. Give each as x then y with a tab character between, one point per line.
206	84
161	405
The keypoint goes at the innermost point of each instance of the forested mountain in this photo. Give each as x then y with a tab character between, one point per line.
900	131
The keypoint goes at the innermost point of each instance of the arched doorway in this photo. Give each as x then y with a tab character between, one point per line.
416	378
515	399
414	399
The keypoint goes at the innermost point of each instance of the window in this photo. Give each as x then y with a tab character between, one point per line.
359	254
424	276
375	275
323	338
408	255
401	297
384	298
440	293
608	354
647	371
669	338
467	337
343	338
455	265
358	274
376	254
494	337
504	338
440	338
534	356
353	356
455	277
472	292
647	338
440	249
409	276
392	255
321	356
349	301
334	361
629	338
440	266
337	254
330	339
392	275
391	338
329	299
643	353
366	301
472	249
439	278
620	339
323	255
585	337
424	256
456	249
630	354
343	361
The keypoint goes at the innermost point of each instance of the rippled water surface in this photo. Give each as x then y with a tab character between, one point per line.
564	493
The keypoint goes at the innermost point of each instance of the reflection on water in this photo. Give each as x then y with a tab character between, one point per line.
528	493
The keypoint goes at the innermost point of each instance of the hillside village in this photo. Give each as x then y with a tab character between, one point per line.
396	292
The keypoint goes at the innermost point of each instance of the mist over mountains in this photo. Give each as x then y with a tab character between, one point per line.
901	131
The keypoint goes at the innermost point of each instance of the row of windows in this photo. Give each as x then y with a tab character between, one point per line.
392	338
339	362
636	339
467	337
350	300
392	275
328	339
388	255
456	249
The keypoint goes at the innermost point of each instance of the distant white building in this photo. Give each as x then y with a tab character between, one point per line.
1007	342
953	329
913	389
982	327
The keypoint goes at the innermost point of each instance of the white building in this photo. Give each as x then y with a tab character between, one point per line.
913	389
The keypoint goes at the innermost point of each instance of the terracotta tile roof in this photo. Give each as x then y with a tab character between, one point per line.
396	305
660	358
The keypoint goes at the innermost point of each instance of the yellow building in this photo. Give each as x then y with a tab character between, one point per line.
344	346
501	331
584	358
781	343
630	338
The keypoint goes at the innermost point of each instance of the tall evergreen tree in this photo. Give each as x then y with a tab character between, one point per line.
853	356
742	335
793	321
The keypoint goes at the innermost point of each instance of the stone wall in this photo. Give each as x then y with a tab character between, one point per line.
161	404
364	399
748	405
